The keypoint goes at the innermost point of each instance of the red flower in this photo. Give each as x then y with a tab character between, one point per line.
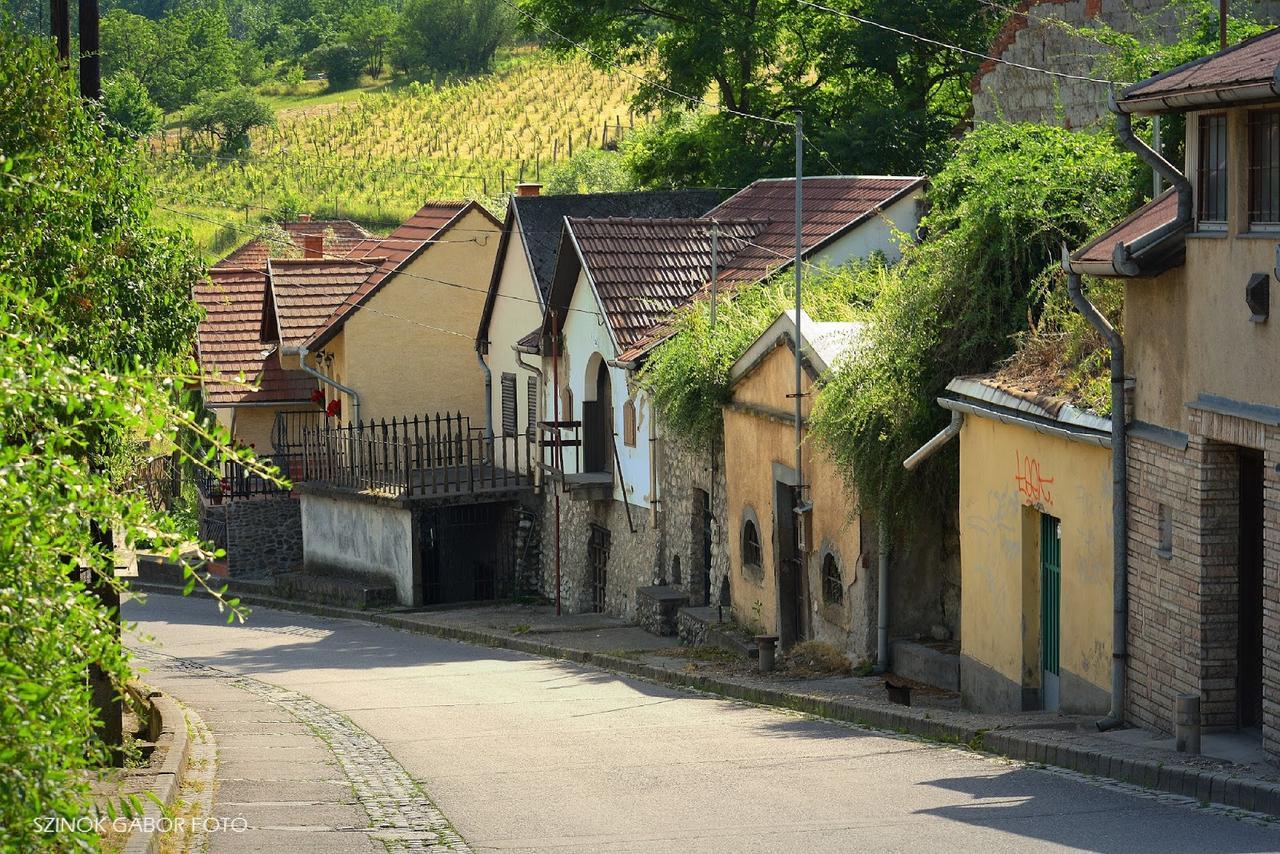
317	397
334	407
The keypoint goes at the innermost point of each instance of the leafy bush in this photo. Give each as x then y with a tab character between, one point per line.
1000	211
340	63
96	322
128	107
591	171
688	376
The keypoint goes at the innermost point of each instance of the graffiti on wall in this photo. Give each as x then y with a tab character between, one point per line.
1031	481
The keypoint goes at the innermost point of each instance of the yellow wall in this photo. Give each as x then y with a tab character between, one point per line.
1008	476
391	357
1177	325
516	312
253	425
753	444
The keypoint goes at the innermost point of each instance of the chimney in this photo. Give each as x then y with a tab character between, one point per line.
313	245
304	217
528	189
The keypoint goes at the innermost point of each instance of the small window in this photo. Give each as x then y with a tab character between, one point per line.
676	578
532	403
509	425
1212	179
566	404
750	544
832	582
1264	168
1164	522
629	424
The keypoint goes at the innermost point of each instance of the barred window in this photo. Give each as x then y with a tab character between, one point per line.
750	544
1264	167
509	426
1212	179
832	581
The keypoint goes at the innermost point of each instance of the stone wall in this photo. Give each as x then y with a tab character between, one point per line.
634	558
1046	37
264	535
688	473
349	533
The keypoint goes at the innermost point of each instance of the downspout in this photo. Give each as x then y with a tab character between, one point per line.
882	593
331	382
1119	500
488	394
1123	260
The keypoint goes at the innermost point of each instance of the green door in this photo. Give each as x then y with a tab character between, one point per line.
1050	608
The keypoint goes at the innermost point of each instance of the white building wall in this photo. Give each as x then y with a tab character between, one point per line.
877	233
516	312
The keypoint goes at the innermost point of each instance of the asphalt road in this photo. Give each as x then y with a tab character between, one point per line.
527	754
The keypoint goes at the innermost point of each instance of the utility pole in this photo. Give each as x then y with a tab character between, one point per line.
799	273
715	269
90	52
1222	24
60	28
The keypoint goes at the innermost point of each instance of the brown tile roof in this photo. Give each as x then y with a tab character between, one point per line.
644	269
1159	211
306	292
832	205
229	343
341	236
532	340
1250	63
392	252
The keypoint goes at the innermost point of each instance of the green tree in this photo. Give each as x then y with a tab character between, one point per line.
873	101
369	31
96	323
227	117
452	36
129	110
188	51
340	63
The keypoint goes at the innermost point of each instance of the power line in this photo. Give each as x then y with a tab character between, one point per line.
936	43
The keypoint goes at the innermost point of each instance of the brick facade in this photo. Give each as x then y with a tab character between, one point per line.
1184	600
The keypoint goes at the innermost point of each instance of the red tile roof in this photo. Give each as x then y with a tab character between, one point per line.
307	291
393	251
1250	63
831	206
341	236
1154	214
229	343
644	269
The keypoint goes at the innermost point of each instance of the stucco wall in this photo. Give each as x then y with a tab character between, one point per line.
516	313
1008	477
359	536
877	234
757	448
253	425
389	353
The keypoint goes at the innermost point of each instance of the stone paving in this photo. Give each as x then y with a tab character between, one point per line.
296	772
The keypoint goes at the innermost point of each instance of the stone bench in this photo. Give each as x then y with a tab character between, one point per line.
657	608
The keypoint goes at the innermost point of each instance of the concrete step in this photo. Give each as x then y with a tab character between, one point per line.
932	664
711	626
341	590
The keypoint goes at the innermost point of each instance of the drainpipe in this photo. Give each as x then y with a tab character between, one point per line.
488	395
1123	261
330	381
1119	499
882	593
537	432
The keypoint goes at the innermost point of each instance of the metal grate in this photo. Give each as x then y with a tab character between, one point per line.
598	558
1212	177
1050	594
1264	168
832	583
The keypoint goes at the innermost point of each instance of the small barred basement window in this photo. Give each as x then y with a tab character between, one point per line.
832	582
509	426
750	544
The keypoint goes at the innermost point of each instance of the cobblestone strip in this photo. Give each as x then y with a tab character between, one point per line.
402	816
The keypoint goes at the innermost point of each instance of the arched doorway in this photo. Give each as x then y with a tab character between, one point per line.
597	420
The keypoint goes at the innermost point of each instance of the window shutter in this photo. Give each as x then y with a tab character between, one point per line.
509	427
629	424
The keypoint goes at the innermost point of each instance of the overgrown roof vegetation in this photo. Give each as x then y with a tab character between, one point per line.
980	284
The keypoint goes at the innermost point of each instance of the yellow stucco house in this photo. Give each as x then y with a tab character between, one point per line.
1035	549
797	575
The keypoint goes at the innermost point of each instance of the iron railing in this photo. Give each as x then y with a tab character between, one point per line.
233	481
423	455
286	433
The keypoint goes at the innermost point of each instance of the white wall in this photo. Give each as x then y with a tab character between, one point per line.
361	537
875	233
516	313
586	335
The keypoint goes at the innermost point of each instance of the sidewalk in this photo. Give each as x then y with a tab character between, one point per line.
1070	742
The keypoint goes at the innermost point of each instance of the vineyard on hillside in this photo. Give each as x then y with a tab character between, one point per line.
377	158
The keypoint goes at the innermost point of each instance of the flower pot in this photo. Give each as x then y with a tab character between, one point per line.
767	646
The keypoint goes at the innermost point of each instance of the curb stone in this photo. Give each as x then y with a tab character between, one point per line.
1033	746
168	778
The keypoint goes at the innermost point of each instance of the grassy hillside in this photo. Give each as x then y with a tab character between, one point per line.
376	154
